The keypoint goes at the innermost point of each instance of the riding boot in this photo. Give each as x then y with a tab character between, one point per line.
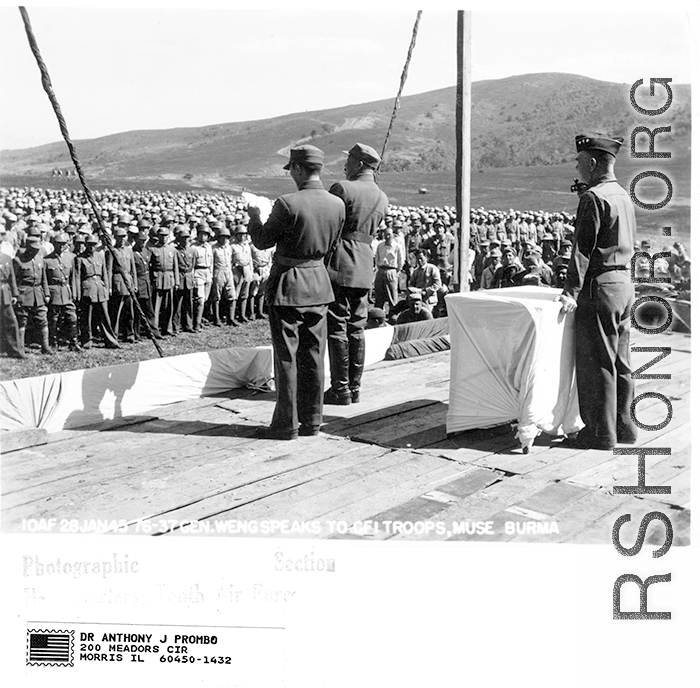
215	313
232	311
249	308
198	313
259	301
356	366
339	392
240	315
73	341
20	343
45	347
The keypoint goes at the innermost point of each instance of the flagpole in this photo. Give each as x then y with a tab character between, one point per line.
463	163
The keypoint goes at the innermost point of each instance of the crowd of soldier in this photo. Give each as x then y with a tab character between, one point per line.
188	262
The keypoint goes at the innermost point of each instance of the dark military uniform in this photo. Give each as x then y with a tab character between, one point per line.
33	295
94	295
184	290
304	226
351	269
143	289
8	319
164	277
121	307
64	290
599	278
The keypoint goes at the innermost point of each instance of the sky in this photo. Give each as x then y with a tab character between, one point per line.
127	68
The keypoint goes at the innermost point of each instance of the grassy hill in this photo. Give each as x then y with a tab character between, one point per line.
519	121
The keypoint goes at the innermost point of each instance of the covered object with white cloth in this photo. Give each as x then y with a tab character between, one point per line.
512	361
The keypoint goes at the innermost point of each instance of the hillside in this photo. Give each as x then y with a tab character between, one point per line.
517	121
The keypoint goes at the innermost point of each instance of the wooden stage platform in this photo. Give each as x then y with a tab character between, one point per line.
194	468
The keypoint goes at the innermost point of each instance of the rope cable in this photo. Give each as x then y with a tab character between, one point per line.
106	238
404	75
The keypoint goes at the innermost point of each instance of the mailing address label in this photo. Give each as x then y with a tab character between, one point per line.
240	651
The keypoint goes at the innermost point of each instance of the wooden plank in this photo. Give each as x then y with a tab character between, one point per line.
270	498
601	529
485	503
113	456
14	440
399	493
578	517
323	497
412	426
553	498
680	490
135	494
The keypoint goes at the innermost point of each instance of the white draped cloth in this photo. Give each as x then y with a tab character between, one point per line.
512	360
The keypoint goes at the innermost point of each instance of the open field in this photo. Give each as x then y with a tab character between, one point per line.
544	187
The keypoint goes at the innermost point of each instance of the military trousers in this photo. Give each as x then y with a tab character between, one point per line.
299	346
95	316
347	318
603	370
9	330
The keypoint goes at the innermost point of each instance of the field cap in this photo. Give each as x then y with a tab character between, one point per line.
365	154
584	142
509	249
119	231
305	154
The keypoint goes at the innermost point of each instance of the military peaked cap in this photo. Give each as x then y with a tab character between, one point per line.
584	142
365	154
305	154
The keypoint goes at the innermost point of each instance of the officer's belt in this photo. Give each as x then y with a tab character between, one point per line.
357	236
296	262
388	267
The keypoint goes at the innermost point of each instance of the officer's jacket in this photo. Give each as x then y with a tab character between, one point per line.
143	278
365	207
304	226
32	287
186	258
8	284
93	276
163	266
125	259
603	241
62	278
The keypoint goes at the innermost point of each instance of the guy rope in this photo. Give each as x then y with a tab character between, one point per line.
106	238
404	75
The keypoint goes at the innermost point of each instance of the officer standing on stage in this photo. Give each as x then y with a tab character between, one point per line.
304	227
351	269
598	287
